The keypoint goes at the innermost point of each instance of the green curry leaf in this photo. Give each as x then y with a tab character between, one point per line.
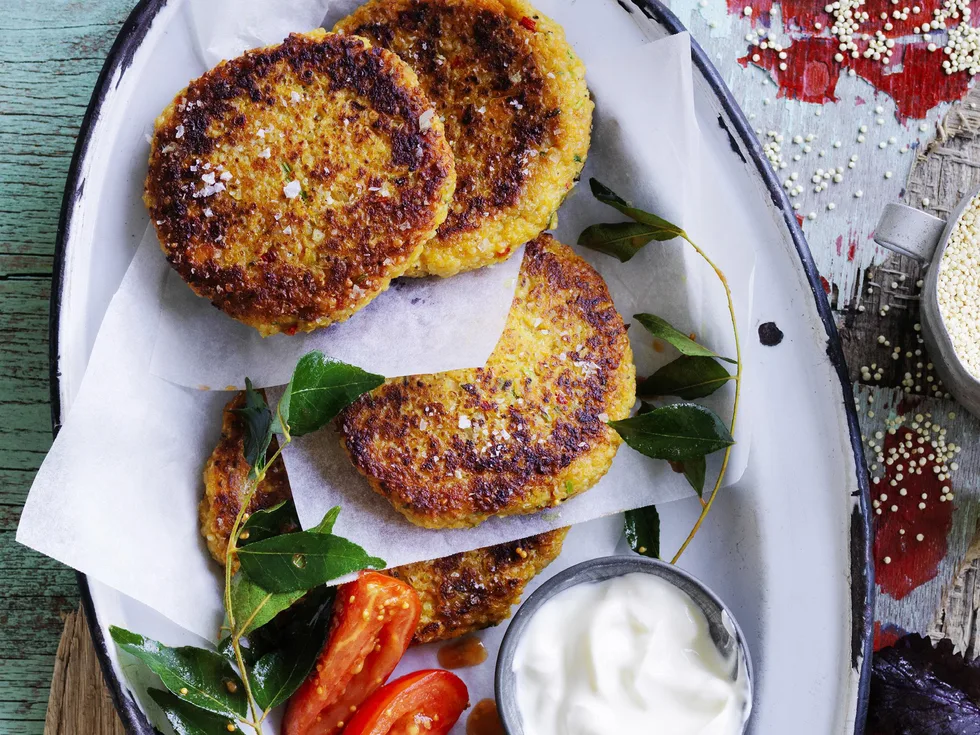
268	522
322	388
607	196
278	673
643	531
677	432
186	719
195	675
695	470
685	377
254	606
662	329
623	240
258	427
301	561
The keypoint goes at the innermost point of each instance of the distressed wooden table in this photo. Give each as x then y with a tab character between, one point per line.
50	54
847	136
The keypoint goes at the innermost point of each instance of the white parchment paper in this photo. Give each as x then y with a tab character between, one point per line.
224	29
117	495
419	325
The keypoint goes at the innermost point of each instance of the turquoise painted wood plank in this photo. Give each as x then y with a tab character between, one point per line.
25	431
50	56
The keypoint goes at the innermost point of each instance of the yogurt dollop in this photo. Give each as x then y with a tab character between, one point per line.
631	654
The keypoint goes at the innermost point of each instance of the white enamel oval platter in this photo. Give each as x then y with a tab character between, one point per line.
787	546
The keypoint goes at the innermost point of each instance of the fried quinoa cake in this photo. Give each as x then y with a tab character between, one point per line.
291	184
225	478
460	594
466	592
523	433
517	113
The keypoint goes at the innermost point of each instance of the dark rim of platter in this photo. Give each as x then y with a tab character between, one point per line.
862	570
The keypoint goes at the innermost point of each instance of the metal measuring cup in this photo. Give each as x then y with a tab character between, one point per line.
918	235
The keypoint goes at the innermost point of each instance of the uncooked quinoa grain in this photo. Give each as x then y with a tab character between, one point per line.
958	287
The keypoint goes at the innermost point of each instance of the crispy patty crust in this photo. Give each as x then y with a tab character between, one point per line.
517	112
290	185
467	592
521	434
460	594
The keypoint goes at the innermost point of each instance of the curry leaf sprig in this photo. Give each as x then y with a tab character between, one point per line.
681	433
270	566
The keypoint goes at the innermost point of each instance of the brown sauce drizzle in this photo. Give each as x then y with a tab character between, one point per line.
484	719
459	654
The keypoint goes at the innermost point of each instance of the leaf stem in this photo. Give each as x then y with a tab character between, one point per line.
706	505
229	556
236	636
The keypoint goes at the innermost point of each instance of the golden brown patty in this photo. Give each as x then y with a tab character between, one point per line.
467	592
517	112
522	434
460	593
225	479
290	185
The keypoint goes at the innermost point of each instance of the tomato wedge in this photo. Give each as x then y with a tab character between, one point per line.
424	703
374	620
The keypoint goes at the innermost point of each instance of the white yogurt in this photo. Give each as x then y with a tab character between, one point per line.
631	654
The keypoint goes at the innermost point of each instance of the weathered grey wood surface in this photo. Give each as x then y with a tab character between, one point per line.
50	54
947	170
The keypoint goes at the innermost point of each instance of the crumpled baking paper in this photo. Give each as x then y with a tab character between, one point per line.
426	325
116	497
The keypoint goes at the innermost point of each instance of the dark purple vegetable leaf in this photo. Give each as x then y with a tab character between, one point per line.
919	689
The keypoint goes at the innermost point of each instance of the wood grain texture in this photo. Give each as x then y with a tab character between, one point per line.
957	619
79	702
50	55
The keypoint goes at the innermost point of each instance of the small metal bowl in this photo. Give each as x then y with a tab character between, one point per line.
916	234
722	625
